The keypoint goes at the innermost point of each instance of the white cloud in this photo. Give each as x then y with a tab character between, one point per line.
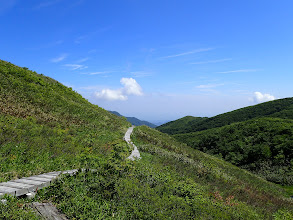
141	74
188	52
111	95
208	86
241	71
82	60
75	66
98	73
46	4
212	61
131	87
259	97
59	59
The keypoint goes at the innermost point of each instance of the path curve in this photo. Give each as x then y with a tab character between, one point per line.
31	184
135	153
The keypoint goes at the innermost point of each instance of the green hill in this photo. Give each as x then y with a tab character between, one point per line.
179	126
281	108
201	177
134	121
263	146
46	126
49	123
256	138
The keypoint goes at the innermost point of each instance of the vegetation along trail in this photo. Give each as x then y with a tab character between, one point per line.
30	184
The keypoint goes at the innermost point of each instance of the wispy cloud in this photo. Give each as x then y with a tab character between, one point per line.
209	86
92	51
89	35
59	58
141	73
99	73
82	60
188	53
46	4
241	71
212	61
75	66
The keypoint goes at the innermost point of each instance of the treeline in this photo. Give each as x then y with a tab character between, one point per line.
180	126
281	108
263	146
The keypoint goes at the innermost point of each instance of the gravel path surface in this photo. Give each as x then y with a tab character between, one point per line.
135	153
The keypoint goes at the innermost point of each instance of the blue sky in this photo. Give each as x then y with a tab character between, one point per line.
154	59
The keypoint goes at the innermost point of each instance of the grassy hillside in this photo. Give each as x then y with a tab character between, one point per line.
44	124
179	126
216	189
263	146
135	121
281	108
47	126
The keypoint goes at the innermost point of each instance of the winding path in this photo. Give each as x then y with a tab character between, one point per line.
135	153
29	185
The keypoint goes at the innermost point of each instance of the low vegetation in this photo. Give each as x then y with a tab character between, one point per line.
219	185
46	126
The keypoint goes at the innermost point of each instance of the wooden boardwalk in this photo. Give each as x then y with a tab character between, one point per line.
30	184
26	185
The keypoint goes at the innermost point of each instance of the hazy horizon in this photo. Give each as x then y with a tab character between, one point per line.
156	60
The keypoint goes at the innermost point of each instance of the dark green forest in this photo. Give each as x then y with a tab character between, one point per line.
180	125
263	146
281	108
257	138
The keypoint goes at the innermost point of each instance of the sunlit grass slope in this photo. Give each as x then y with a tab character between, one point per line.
45	125
205	184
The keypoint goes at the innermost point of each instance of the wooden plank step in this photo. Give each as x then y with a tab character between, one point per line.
25	185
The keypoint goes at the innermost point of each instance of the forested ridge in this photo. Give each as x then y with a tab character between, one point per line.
263	146
178	126
280	108
257	138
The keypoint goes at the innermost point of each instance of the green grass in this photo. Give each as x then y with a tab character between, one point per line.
47	126
213	174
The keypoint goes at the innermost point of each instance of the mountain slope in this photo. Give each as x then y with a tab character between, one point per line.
46	126
281	108
134	121
180	125
202	175
263	146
